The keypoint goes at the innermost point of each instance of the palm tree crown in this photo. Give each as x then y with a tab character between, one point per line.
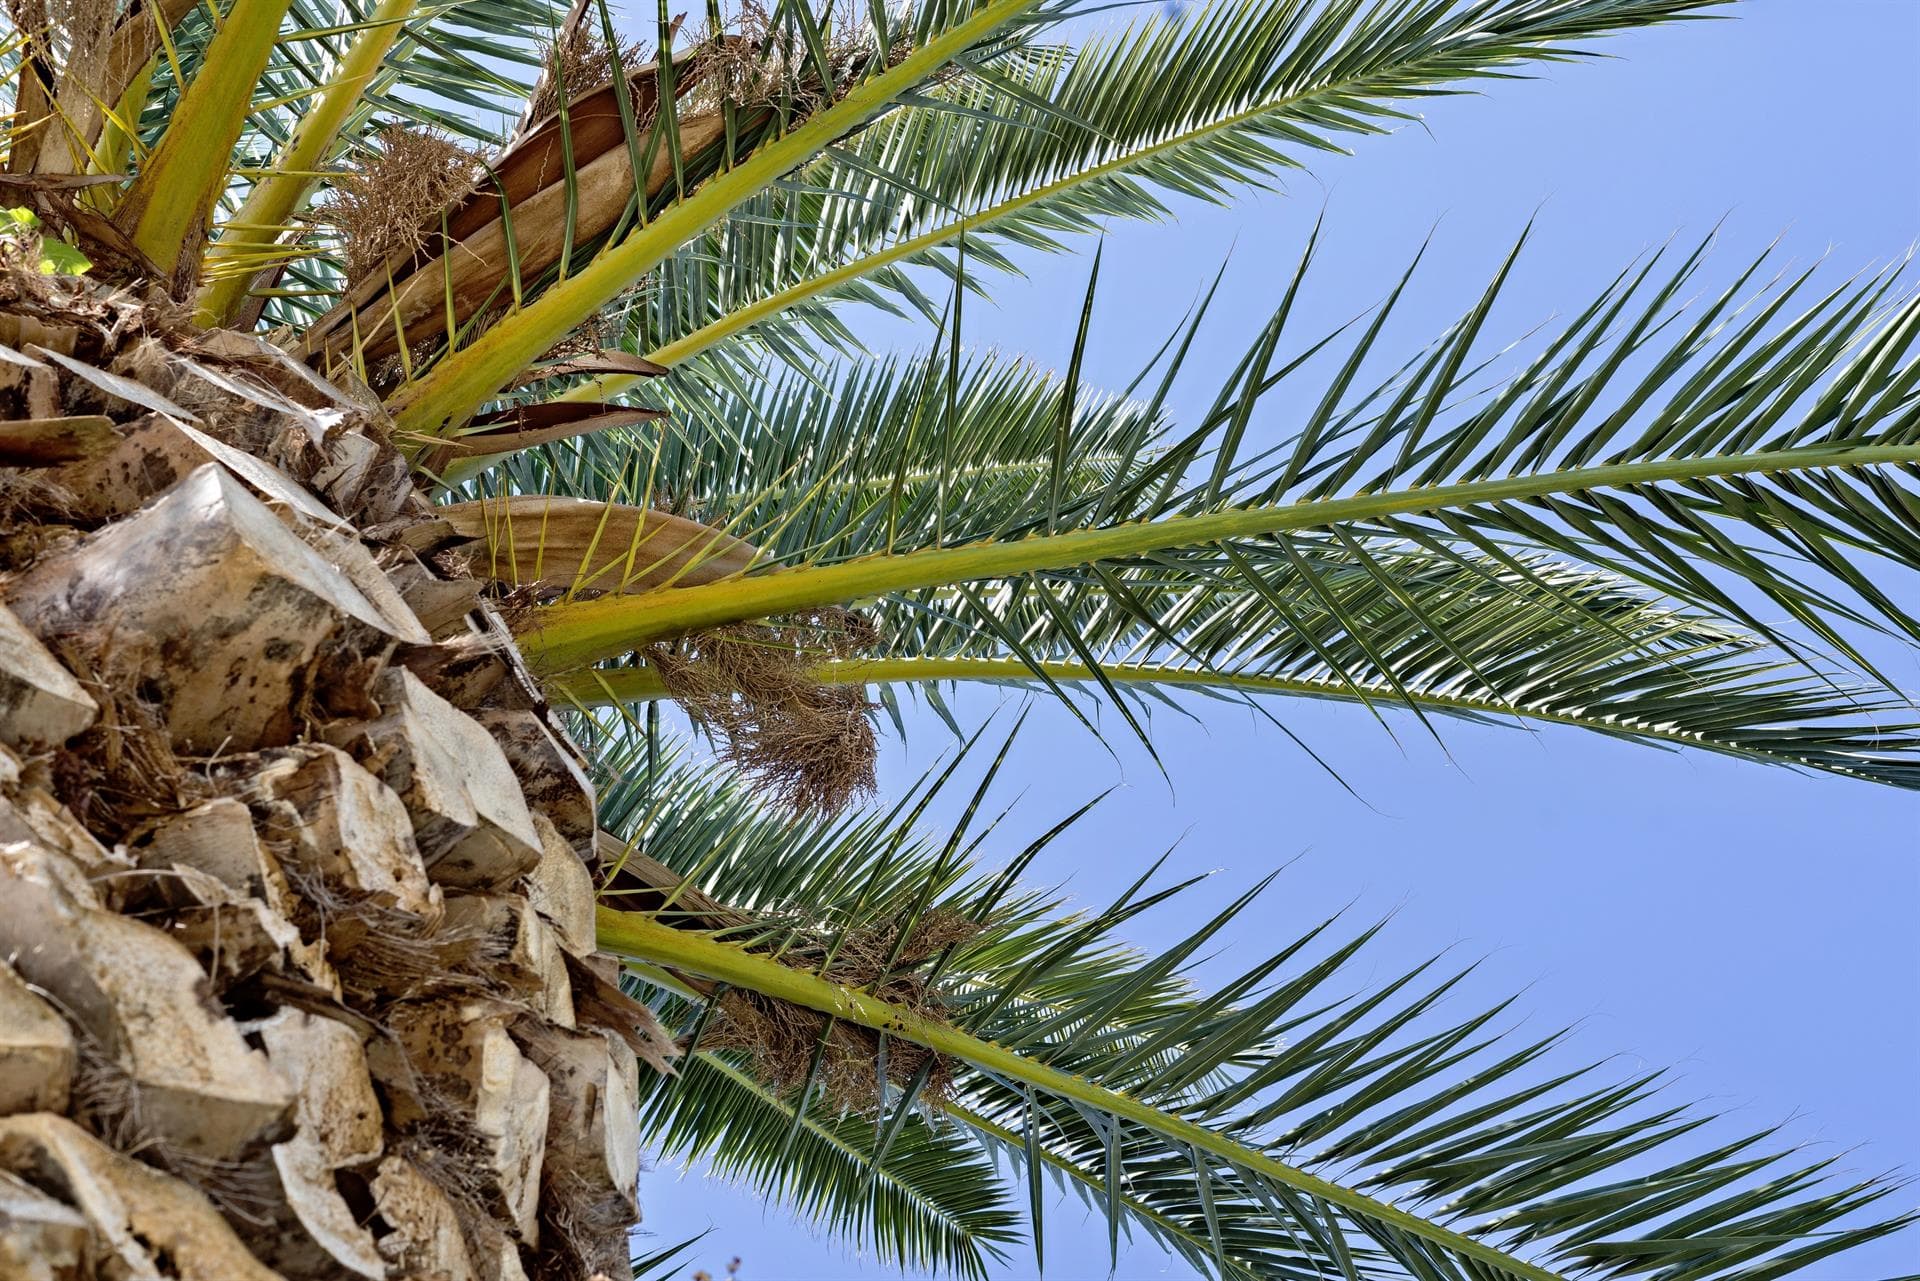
596	295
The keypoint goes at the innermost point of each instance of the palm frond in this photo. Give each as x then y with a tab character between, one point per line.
1796	431
910	456
461	69
1353	1133
932	1203
1027	151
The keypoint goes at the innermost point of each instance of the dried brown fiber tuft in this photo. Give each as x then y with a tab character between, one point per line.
758	64
123	770
578	62
810	746
381	207
782	1038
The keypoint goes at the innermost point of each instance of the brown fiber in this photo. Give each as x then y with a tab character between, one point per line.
381	207
782	1039
810	746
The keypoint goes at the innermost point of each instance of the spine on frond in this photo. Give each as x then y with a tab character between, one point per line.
588	632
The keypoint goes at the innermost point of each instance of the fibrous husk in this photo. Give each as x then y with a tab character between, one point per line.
523	953
339	825
810	746
235	936
450	1066
380	203
36	1050
573	545
550	772
469	814
210	607
141	996
600	1003
469	256
41	1237
216	887
123	770
782	1038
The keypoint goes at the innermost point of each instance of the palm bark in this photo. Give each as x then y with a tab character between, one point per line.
297	971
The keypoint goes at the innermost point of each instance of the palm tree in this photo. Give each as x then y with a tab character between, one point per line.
361	459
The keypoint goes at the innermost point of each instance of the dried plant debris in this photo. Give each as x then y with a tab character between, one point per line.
579	61
72	35
810	746
383	205
123	770
782	1039
107	1104
755	63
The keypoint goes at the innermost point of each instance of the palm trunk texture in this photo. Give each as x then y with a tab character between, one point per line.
297	962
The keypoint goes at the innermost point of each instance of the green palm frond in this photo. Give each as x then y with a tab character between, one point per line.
463	69
1543	643
823	470
1341	1132
829	463
1642	438
1057	142
1659	436
933	1202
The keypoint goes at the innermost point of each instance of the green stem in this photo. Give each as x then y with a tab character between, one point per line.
275	197
167	207
460	383
753	313
638	936
116	142
612	687
586	632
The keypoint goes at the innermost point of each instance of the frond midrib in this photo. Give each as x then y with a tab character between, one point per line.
575	635
638	936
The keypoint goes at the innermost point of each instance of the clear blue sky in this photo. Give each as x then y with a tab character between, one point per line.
1754	927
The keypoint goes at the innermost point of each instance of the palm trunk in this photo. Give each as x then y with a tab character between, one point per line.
297	971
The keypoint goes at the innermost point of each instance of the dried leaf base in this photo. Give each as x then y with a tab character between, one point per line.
296	870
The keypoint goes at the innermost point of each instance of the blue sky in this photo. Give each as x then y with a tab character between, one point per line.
1752	927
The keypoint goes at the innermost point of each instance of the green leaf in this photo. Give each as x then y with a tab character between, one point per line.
57	257
1356	1132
